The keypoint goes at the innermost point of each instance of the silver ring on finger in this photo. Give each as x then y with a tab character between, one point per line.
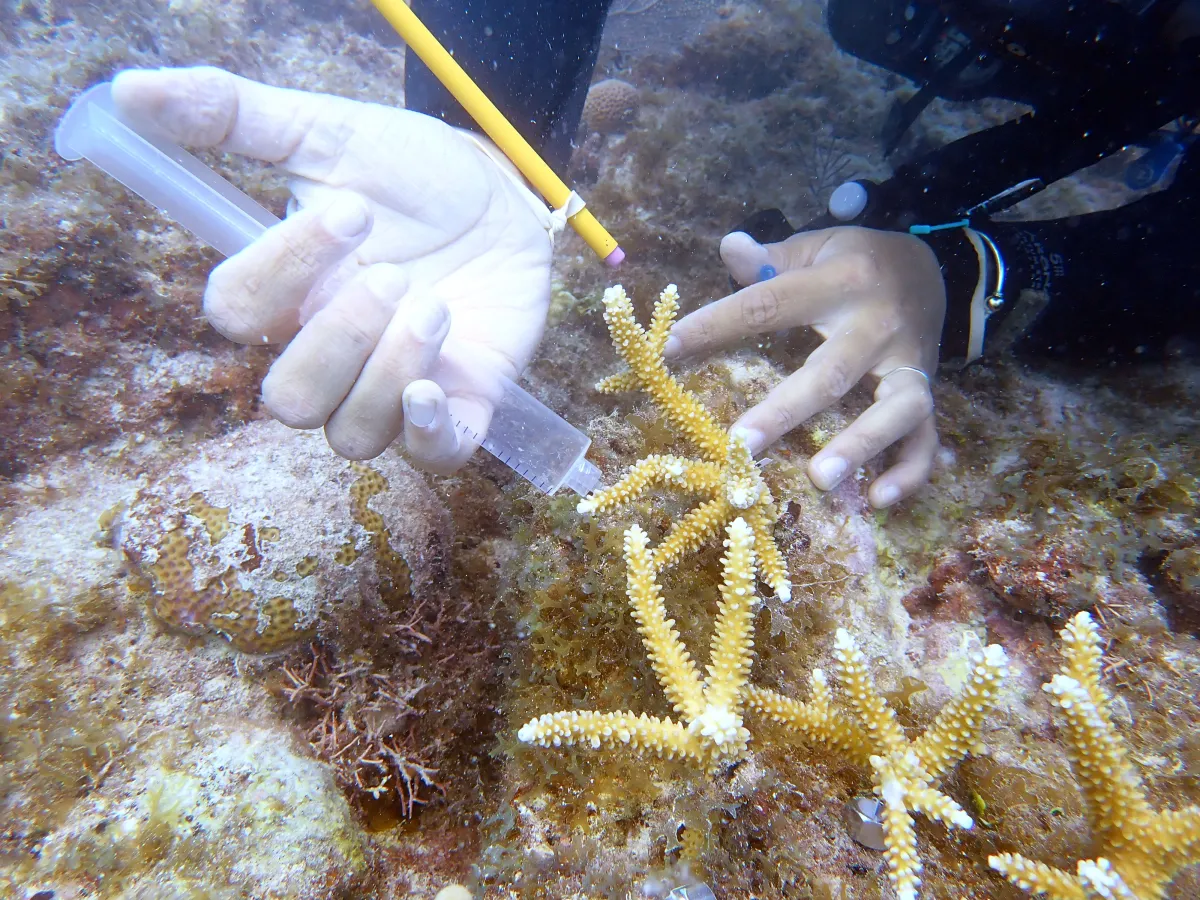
920	372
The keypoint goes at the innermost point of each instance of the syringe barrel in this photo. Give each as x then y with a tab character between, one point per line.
162	173
524	433
538	443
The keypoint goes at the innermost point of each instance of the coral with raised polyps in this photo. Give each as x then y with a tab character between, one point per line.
726	476
1140	849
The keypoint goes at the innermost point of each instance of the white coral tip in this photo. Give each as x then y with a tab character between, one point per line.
719	724
960	819
994	656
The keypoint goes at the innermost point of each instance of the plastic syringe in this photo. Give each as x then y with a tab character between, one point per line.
524	433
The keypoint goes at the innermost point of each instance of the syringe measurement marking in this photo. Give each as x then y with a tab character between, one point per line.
506	457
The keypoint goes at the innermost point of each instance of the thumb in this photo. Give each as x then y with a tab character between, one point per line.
429	433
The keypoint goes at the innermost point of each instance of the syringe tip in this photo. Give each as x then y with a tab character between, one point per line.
615	258
582	479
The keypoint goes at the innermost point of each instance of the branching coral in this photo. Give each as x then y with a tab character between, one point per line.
1141	849
712	731
904	771
711	708
726	477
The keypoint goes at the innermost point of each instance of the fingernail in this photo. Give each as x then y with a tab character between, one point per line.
752	436
427	320
767	272
831	469
345	218
887	495
672	348
421	410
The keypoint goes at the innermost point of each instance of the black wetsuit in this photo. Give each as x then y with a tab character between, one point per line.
1099	75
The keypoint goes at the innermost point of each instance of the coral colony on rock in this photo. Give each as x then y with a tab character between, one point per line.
234	665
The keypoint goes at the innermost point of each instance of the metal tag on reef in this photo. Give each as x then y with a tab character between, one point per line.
863	819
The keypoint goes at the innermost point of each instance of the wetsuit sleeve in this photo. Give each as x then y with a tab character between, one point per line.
533	59
1124	283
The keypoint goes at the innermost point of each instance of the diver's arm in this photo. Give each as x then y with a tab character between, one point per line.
534	60
1120	283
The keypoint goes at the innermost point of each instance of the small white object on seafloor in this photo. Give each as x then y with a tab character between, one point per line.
692	892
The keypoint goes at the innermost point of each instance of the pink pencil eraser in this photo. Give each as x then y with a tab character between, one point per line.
615	258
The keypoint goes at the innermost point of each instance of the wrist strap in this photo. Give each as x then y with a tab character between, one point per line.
988	295
554	221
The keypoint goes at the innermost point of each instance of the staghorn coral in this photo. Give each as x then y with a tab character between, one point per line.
713	732
904	771
130	362
711	707
1140	849
726	476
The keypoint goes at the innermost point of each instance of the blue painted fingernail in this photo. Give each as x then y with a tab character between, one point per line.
766	272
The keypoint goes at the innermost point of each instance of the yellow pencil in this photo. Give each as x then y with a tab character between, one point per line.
422	42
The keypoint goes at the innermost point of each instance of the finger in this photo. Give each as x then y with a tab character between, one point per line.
429	433
893	415
913	466
255	296
204	106
372	414
828	373
319	367
749	262
790	299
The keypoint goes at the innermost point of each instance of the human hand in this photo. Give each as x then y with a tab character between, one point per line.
414	273
878	300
